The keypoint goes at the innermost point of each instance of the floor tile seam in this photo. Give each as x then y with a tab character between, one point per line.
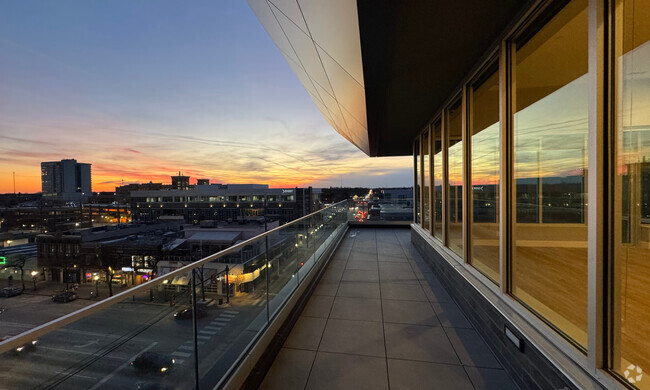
306	315
383	324
349	319
466	373
404	300
484	367
371	299
300	349
409	323
311	367
405	255
350	354
400	244
444	329
434	309
427	361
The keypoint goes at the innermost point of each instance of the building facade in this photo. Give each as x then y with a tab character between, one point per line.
229	202
529	126
66	180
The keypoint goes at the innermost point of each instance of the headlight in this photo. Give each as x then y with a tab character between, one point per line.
163	369
34	342
173	361
20	349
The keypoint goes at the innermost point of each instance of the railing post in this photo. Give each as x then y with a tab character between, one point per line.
266	254
227	286
195	330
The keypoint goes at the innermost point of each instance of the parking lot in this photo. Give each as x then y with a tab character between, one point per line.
35	307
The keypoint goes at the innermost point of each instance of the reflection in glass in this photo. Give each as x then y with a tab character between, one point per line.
437	180
484	122
549	267
632	194
418	170
455	153
426	180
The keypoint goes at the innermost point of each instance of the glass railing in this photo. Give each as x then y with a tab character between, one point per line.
381	211
190	326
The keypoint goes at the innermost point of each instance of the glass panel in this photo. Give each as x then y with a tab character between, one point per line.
632	194
549	269
417	181
427	179
484	122
437	180
146	337
455	153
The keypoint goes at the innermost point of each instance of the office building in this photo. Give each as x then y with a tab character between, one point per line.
224	202
180	182
66	180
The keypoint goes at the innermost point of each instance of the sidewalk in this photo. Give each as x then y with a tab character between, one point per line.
84	290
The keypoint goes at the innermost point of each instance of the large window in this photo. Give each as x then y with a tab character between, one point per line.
549	248
631	352
455	158
436	154
426	180
484	168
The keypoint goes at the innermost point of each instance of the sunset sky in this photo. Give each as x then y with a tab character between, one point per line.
142	90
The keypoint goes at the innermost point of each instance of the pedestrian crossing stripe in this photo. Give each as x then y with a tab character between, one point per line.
230	312
212	327
187	347
203	337
207	332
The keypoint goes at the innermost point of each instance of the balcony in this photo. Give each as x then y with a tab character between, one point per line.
359	305
379	319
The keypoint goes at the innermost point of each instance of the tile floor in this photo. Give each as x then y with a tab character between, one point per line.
380	319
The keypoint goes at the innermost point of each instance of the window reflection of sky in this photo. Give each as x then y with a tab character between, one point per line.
551	134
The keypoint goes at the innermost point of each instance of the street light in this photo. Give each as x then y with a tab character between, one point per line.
34	273
96	279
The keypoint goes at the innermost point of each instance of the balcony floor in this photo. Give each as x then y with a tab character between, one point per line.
380	319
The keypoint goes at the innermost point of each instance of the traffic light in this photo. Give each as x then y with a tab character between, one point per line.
3	260
302	263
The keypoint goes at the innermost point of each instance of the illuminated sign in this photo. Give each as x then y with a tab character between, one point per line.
127	269
287	191
144	270
3	260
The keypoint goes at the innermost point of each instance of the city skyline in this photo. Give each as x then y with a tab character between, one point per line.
185	93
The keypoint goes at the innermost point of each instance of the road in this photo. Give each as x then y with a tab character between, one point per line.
95	352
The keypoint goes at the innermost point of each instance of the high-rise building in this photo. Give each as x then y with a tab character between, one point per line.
67	180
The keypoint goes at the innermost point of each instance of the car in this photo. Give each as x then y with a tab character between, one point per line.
22	349
187	313
9	292
65	296
153	362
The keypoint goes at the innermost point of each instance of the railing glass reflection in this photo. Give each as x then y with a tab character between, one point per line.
190	325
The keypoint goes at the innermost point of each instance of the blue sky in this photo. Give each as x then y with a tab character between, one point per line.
143	89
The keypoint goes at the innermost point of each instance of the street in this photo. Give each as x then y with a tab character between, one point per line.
95	352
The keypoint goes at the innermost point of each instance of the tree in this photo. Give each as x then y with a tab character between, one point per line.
18	261
105	264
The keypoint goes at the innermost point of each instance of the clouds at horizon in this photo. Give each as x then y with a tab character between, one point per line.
142	91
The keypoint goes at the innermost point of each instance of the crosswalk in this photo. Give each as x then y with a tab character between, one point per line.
206	333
